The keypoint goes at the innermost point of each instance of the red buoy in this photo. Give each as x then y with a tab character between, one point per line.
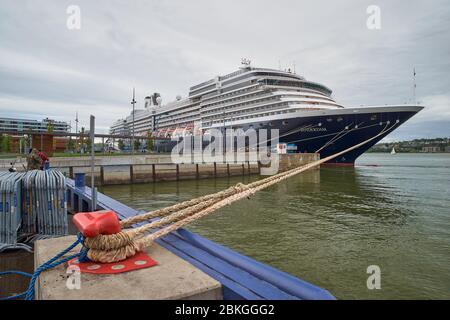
91	224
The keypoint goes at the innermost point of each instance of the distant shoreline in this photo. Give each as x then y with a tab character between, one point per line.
405	152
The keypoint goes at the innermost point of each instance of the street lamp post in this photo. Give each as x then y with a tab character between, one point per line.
133	102
93	188
76	131
224	134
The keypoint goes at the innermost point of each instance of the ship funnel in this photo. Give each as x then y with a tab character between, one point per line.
245	63
154	98
159	101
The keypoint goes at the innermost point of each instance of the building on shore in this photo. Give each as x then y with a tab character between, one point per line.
424	145
25	133
19	126
431	149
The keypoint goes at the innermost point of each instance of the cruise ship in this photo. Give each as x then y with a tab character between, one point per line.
307	116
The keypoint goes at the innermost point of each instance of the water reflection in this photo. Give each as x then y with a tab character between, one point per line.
15	260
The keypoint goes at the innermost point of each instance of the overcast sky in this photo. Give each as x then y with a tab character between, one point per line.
168	46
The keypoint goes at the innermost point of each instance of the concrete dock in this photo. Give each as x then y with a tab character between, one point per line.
159	167
171	279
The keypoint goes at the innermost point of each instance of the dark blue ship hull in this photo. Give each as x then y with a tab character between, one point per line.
327	132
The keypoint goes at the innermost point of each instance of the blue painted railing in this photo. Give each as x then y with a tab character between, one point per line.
241	277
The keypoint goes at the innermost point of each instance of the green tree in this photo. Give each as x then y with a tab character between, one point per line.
71	145
137	144
50	126
88	145
1	143
6	143
149	141
120	144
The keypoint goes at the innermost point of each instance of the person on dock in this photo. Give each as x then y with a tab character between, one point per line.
34	162
44	159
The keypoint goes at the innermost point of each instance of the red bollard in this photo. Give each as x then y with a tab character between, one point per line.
91	224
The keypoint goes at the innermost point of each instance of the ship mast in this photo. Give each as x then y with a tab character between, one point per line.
133	102
414	85
76	131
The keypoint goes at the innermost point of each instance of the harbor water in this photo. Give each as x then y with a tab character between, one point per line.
328	226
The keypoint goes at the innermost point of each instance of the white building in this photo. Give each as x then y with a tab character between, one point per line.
19	126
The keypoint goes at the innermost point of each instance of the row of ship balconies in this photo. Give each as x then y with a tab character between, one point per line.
233	103
249	108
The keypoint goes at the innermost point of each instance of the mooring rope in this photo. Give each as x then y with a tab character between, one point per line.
51	263
119	246
114	241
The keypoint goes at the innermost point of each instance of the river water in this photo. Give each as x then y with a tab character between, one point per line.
327	226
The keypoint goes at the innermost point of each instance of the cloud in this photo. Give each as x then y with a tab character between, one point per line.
437	108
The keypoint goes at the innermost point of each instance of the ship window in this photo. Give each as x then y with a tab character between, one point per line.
285	123
329	119
373	117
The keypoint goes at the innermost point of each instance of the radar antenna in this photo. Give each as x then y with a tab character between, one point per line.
245	63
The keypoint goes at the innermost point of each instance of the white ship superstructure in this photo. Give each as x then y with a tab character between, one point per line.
304	111
249	93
